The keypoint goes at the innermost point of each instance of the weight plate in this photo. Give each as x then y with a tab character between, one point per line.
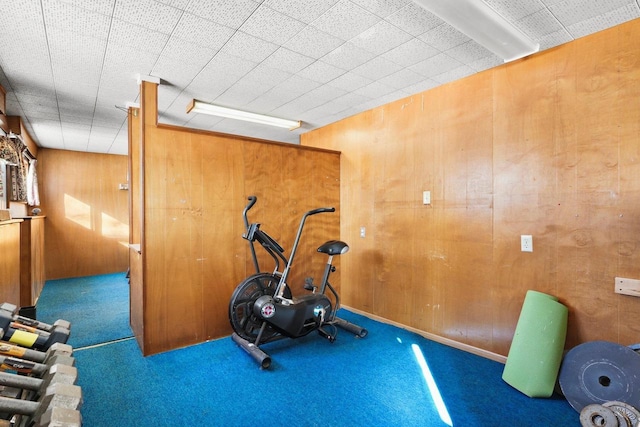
598	372
627	411
596	415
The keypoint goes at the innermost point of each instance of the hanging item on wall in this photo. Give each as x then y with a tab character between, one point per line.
11	151
3	181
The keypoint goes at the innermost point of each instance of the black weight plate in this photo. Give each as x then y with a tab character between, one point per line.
599	372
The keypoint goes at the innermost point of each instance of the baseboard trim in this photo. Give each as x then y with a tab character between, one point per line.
433	337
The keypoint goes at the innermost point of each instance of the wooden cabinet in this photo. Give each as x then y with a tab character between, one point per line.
31	259
10	261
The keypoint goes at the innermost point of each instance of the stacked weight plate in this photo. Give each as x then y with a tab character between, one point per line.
601	380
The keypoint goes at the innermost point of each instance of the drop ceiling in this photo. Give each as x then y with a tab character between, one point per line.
70	67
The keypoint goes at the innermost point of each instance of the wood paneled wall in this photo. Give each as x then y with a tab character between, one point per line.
87	224
10	261
194	187
547	146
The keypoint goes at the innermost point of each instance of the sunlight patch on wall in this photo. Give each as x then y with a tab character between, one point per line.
77	211
431	384
113	228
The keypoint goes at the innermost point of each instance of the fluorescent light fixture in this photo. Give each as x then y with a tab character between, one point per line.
230	113
480	22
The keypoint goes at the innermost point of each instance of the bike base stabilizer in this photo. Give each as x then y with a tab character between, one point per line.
263	359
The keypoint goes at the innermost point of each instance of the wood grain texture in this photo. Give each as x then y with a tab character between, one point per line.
87	215
32	263
549	146
195	186
10	262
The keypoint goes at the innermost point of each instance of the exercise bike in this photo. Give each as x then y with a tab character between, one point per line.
262	308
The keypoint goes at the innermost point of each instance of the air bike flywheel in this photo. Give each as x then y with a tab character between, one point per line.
598	372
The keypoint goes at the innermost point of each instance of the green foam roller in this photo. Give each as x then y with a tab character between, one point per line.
536	351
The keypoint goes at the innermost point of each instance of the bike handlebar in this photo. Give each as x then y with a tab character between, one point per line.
321	210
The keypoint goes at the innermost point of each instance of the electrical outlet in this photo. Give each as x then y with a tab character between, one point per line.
526	243
363	232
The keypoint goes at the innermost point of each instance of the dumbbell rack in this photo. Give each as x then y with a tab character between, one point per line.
37	373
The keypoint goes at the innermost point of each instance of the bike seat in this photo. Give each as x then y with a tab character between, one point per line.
334	247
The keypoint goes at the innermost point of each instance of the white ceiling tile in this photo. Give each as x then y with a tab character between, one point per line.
414	19
272	26
411	52
304	11
121	144
435	65
350	81
178	4
570	12
554	39
288	60
514	10
382	8
345	20
604	20
421	86
469	51
454	74
375	90
320	72
377	68
202	32
249	47
313	43
75	19
126	34
381	38
228	13
219	74
402	79
148	14
443	37
104	7
485	63
539	24
297	85
347	56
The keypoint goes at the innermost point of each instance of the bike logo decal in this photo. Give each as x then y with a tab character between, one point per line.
268	310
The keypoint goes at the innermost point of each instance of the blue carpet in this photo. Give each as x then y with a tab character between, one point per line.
375	381
96	306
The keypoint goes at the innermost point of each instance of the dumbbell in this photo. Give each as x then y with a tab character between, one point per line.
33	368
59	405
29	337
58	373
12	311
8	349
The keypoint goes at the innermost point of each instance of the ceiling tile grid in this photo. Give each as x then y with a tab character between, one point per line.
73	65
